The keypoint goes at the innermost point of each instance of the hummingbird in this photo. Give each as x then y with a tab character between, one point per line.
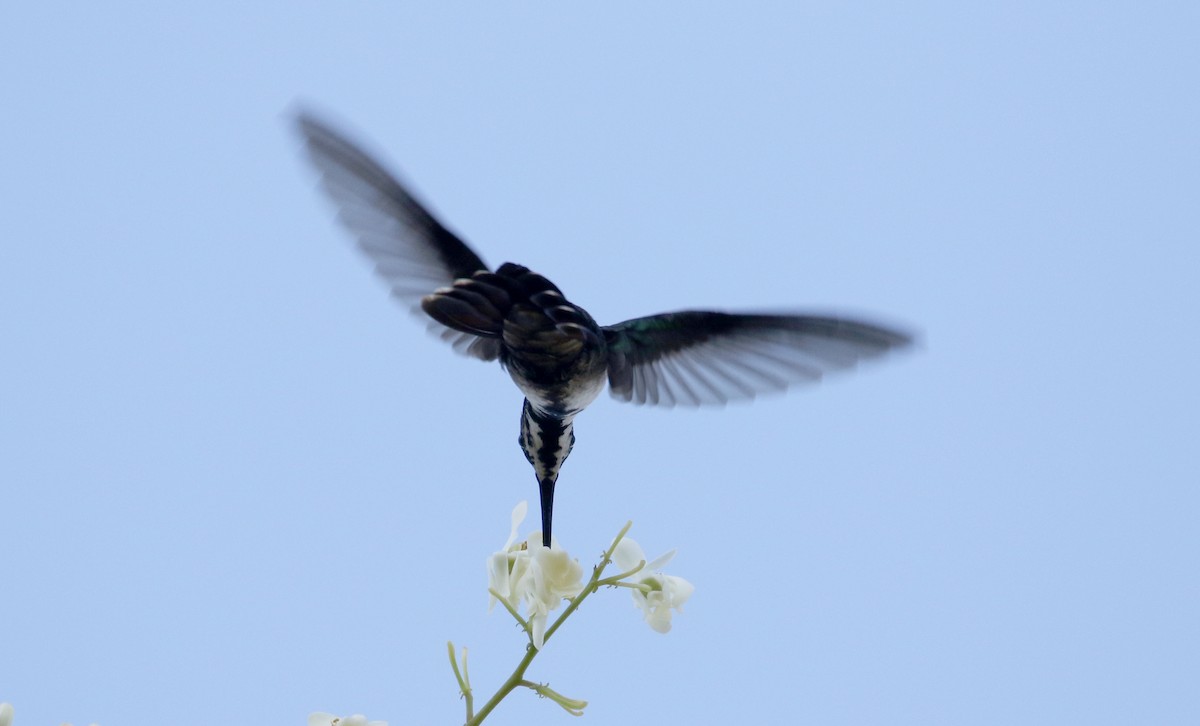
554	351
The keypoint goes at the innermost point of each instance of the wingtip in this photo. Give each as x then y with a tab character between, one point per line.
317	129
304	118
900	338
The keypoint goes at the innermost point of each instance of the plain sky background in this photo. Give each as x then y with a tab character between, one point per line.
238	484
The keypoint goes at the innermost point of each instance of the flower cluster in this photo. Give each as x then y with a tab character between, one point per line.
527	572
524	574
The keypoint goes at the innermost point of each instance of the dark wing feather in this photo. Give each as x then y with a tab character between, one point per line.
694	358
411	250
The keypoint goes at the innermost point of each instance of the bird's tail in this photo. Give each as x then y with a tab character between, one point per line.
480	304
476	304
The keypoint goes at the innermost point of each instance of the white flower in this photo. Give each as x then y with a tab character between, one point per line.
553	575
508	567
666	592
328	719
531	573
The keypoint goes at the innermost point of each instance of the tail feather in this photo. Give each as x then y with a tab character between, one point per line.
476	305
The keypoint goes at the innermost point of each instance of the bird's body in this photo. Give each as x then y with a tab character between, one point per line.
553	350
556	354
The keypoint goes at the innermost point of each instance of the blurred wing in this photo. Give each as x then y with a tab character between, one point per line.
694	358
411	250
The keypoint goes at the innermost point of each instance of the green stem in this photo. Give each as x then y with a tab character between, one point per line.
615	580
511	611
506	688
593	584
469	694
464	679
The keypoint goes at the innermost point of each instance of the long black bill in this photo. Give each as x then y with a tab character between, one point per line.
546	486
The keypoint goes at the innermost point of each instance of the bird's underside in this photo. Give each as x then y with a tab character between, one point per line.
554	351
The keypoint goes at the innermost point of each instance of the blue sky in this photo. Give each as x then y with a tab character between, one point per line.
238	484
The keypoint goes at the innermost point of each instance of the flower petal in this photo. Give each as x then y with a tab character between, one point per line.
678	590
538	623
628	554
498	577
518	516
660	562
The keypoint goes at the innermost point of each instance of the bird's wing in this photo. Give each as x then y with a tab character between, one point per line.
696	357
411	250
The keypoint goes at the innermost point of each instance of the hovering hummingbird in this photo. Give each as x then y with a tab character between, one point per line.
554	351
